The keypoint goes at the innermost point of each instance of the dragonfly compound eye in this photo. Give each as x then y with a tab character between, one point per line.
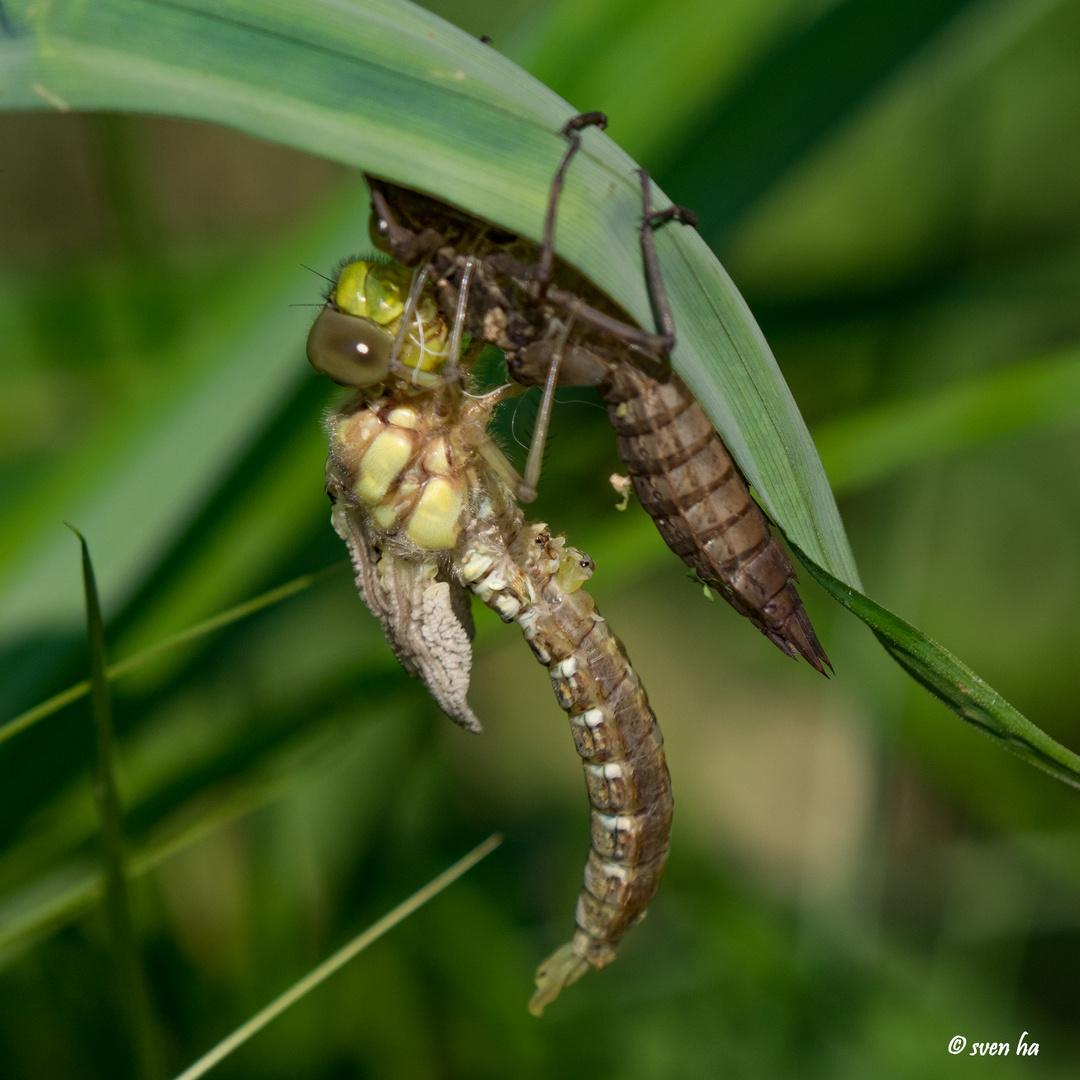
351	351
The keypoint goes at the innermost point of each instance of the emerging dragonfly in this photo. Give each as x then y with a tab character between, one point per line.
557	329
424	500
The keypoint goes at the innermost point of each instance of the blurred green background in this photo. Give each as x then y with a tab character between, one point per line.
855	877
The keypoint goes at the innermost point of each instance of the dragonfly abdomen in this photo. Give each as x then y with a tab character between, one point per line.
536	581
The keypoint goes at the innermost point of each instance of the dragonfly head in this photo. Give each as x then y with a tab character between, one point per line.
353	337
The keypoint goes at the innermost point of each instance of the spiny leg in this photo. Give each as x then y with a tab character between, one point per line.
543	418
650	346
457	365
540	271
572	130
408	314
651	220
451	368
653	347
658	345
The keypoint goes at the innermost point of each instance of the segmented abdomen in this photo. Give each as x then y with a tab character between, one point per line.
416	500
687	481
535	581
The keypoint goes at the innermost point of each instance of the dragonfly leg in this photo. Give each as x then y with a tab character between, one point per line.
501	465
540	271
407	316
654	345
451	368
456	365
398	241
479	409
651	220
572	130
543	417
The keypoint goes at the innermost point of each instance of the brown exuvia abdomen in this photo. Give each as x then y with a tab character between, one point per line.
690	485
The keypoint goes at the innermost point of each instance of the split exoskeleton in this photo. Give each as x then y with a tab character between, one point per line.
428	504
556	328
425	502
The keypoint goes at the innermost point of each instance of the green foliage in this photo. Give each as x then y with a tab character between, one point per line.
399	79
854	879
133	996
400	94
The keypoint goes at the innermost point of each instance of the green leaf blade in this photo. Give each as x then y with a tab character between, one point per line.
954	683
402	94
133	990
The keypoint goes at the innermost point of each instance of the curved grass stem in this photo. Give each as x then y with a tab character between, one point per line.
216	622
332	963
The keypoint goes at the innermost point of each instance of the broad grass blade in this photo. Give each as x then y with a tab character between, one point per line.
392	89
402	94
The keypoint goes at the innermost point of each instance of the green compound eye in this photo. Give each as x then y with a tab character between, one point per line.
351	351
375	291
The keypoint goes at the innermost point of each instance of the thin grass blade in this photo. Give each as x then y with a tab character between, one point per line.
183	637
134	992
338	960
47	904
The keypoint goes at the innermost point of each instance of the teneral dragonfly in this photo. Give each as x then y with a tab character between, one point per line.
423	498
557	328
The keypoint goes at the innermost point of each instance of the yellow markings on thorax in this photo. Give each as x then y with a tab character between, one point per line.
437	457
382	463
405	481
404	416
434	523
353	434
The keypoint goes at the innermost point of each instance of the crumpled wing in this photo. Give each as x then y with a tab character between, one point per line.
428	622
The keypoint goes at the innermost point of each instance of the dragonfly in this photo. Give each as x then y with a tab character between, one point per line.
557	329
425	502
